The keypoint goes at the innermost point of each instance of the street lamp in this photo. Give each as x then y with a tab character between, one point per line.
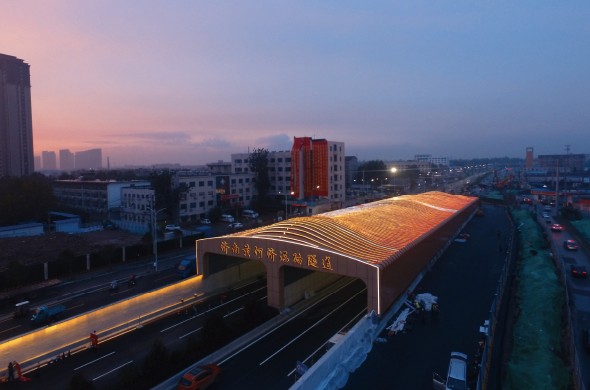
393	171
286	194
153	215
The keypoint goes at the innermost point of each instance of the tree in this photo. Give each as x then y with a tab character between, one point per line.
372	171
166	197
23	199
259	166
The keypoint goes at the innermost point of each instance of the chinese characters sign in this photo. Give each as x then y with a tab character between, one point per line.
272	255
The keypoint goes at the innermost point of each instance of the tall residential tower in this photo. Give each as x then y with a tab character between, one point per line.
16	129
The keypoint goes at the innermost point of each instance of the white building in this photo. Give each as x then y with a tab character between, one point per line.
279	169
136	205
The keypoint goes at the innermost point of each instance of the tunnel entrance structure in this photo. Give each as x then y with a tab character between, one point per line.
386	244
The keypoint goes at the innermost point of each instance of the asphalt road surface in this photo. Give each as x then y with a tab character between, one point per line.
464	279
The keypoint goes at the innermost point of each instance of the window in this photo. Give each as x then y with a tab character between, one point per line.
201	184
238	161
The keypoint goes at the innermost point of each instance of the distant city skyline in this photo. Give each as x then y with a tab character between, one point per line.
192	83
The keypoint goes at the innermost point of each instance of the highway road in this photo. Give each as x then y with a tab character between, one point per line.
269	361
578	288
464	279
90	291
102	366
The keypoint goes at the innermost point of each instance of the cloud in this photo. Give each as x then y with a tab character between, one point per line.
214	143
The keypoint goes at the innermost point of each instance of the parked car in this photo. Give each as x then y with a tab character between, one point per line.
236	225
199	377
171	228
206	221
250	214
456	376
546	215
578	271
556	227
227	218
570	245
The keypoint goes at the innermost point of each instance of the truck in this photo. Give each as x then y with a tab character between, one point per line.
187	267
46	314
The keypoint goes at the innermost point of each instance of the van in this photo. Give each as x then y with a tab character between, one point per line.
227	218
187	267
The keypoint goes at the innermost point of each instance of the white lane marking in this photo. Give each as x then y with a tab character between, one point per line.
191	332
178	324
114	369
280	326
362	312
311	327
6	330
94	361
233	312
207	311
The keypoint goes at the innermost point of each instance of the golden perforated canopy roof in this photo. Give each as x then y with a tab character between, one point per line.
373	232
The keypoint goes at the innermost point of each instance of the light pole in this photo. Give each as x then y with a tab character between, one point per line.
393	171
153	214
286	194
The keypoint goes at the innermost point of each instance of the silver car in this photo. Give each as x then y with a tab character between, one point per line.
457	375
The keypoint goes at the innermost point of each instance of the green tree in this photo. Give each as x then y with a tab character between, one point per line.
259	166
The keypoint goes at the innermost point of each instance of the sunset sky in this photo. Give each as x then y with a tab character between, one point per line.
191	82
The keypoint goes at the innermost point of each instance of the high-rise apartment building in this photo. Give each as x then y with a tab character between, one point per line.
16	128
66	160
318	169
49	161
89	159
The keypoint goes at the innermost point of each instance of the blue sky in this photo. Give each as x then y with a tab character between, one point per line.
194	81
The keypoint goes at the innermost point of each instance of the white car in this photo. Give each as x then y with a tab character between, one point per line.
206	221
227	218
250	214
457	375
236	225
171	228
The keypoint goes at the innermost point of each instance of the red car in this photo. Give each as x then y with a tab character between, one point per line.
199	377
570	245
578	271
556	227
